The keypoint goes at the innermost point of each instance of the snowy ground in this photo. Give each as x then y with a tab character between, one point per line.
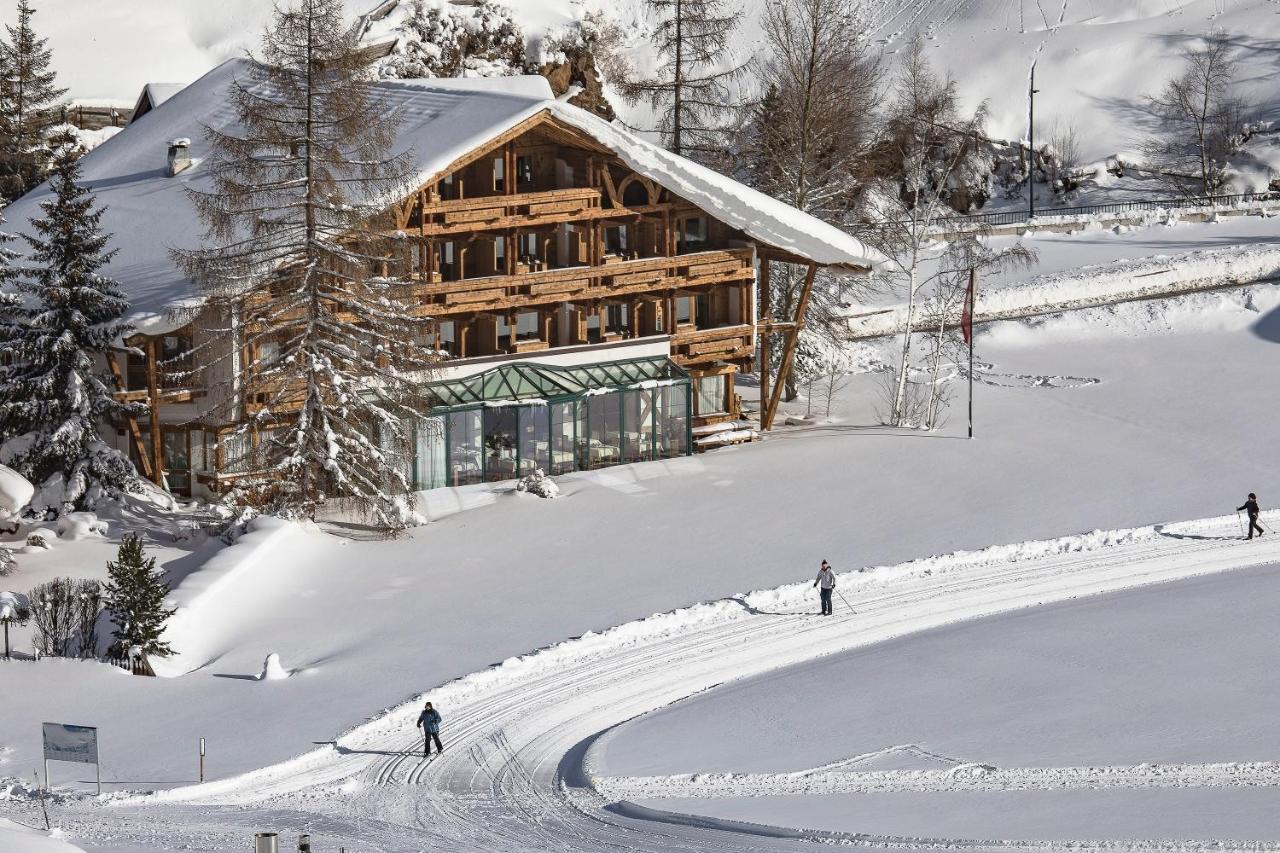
1152	412
1144	679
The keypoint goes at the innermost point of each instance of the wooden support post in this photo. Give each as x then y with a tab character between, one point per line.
788	354
766	337
135	432
153	397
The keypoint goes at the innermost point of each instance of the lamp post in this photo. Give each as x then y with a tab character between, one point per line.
1031	144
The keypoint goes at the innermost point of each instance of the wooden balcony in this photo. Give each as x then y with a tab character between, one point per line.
578	284
693	347
504	211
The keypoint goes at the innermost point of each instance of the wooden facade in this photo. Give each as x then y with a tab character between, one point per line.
542	239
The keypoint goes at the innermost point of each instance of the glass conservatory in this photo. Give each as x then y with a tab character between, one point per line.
515	418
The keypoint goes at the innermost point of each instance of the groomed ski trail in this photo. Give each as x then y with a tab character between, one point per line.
515	774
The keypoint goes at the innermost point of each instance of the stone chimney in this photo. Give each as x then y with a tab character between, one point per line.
179	155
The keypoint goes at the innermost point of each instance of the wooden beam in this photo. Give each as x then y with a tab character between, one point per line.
134	430
153	392
788	354
766	344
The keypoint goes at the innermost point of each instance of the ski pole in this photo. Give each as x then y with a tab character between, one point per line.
1240	522
846	601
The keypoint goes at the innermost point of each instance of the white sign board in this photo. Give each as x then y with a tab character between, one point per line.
70	743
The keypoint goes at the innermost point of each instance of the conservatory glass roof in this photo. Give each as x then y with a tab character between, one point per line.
545	382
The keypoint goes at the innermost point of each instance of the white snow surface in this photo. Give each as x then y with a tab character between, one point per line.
19	838
15	491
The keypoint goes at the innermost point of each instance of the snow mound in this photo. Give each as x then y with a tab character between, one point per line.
76	526
539	483
273	670
18	838
41	539
15	491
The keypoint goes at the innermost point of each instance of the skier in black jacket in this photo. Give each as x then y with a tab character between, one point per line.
1252	506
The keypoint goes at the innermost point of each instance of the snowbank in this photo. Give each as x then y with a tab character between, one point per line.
17	838
15	491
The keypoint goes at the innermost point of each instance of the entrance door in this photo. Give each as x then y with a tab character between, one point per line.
177	461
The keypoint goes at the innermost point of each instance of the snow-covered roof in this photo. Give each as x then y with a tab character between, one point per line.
440	120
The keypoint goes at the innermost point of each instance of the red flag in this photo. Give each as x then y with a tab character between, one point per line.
966	320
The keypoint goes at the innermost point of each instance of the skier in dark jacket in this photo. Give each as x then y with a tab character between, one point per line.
1252	506
826	583
429	722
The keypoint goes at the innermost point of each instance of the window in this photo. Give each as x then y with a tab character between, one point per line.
527	326
446	336
268	352
466	454
711	396
429	456
448	189
618	319
615	239
447	270
693	236
499	173
529	245
503	327
499	253
706	317
684	309
593	328
535	444
524	170
172	346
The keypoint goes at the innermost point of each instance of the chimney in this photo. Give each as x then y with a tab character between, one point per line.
179	155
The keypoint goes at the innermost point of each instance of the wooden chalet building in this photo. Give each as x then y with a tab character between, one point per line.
595	295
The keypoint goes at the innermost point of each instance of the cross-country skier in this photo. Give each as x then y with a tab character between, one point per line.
825	582
429	722
1252	506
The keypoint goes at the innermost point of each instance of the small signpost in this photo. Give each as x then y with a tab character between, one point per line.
77	744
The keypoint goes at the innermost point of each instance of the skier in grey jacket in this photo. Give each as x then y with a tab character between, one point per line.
429	722
826	583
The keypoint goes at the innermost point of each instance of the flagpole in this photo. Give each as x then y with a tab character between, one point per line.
973	299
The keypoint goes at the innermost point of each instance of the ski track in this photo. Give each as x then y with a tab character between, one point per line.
517	774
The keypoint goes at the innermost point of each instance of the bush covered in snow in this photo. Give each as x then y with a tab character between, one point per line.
539	483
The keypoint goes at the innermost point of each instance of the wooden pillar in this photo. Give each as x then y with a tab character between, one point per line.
153	397
766	344
788	354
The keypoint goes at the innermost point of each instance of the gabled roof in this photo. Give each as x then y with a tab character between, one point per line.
440	120
152	96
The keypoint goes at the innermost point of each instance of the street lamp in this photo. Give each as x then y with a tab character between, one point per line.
1031	145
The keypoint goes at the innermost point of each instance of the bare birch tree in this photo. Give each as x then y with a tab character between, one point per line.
691	90
810	137
1201	122
930	150
301	184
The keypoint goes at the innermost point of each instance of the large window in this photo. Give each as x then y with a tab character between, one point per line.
500	443
637	425
604	422
711	395
535	439
673	421
563	432
466	448
429	470
527	326
684	309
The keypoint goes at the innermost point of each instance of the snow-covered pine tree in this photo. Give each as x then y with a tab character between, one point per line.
444	41
134	593
52	394
28	96
691	89
810	134
296	219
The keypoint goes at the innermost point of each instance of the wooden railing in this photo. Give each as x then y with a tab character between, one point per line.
572	284
505	211
702	346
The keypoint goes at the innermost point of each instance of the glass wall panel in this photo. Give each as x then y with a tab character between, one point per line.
177	463
604	418
637	421
563	423
535	439
500	443
673	421
430	468
466	448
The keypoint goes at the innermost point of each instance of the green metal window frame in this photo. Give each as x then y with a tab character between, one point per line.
550	385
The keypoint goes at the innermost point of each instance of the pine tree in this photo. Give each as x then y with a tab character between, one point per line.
691	90
27	98
301	187
135	592
52	396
